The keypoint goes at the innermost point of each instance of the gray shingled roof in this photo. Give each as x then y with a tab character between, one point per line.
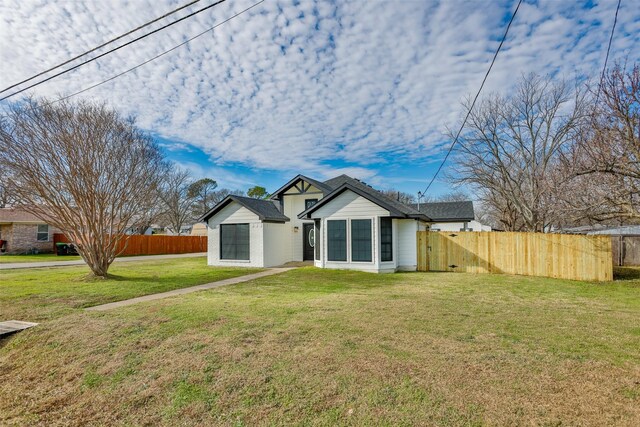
266	210
448	211
339	183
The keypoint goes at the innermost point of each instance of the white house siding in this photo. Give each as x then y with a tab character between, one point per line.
236	214
293	206
407	250
277	244
347	206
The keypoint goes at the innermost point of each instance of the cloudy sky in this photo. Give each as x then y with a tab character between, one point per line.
364	87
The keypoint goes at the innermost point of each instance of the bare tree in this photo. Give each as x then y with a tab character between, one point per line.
219	195
454	196
603	170
5	192
511	143
82	168
177	202
402	197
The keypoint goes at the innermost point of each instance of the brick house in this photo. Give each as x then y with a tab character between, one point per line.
22	232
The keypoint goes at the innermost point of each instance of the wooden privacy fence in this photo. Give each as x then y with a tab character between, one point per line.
154	244
575	257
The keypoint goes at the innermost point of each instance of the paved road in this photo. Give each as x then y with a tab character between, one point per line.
183	291
16	265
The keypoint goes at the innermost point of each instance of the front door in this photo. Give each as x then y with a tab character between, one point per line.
308	235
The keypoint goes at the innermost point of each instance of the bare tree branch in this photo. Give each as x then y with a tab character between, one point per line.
82	168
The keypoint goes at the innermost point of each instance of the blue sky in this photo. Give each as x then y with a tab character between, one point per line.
367	88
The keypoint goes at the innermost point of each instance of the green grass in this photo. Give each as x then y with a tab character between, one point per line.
45	293
6	259
318	347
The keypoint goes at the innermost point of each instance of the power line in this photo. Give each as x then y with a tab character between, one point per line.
455	140
606	58
157	56
114	49
100	46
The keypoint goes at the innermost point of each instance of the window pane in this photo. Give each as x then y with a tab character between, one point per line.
386	240
309	202
234	241
43	233
337	240
361	240
242	241
317	239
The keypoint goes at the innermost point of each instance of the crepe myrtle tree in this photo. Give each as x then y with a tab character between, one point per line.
84	169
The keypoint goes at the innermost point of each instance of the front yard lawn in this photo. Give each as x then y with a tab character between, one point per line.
40	294
319	347
6	259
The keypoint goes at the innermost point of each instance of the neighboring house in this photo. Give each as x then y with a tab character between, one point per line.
340	223
625	241
199	229
23	232
451	216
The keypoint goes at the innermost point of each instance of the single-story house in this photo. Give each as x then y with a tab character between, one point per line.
452	216
23	232
339	223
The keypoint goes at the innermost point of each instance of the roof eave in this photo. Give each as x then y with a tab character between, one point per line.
230	198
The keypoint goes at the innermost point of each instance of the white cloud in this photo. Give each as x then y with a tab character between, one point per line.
292	86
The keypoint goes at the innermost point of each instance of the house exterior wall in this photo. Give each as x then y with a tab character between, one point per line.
236	214
293	206
22	237
348	206
407	250
277	244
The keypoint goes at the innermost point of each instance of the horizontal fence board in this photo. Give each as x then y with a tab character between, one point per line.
565	256
153	245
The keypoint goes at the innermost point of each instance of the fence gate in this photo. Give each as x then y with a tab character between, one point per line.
565	256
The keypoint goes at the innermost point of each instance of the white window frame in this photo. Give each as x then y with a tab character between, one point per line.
38	233
375	241
373	254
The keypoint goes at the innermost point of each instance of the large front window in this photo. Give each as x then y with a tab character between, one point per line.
337	240
361	240
234	241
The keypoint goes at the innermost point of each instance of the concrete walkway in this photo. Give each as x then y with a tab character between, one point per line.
183	291
11	326
15	265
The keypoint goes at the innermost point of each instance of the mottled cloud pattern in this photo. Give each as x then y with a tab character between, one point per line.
364	87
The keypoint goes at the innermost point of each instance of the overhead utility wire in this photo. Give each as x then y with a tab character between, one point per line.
455	140
606	58
114	49
100	46
159	55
